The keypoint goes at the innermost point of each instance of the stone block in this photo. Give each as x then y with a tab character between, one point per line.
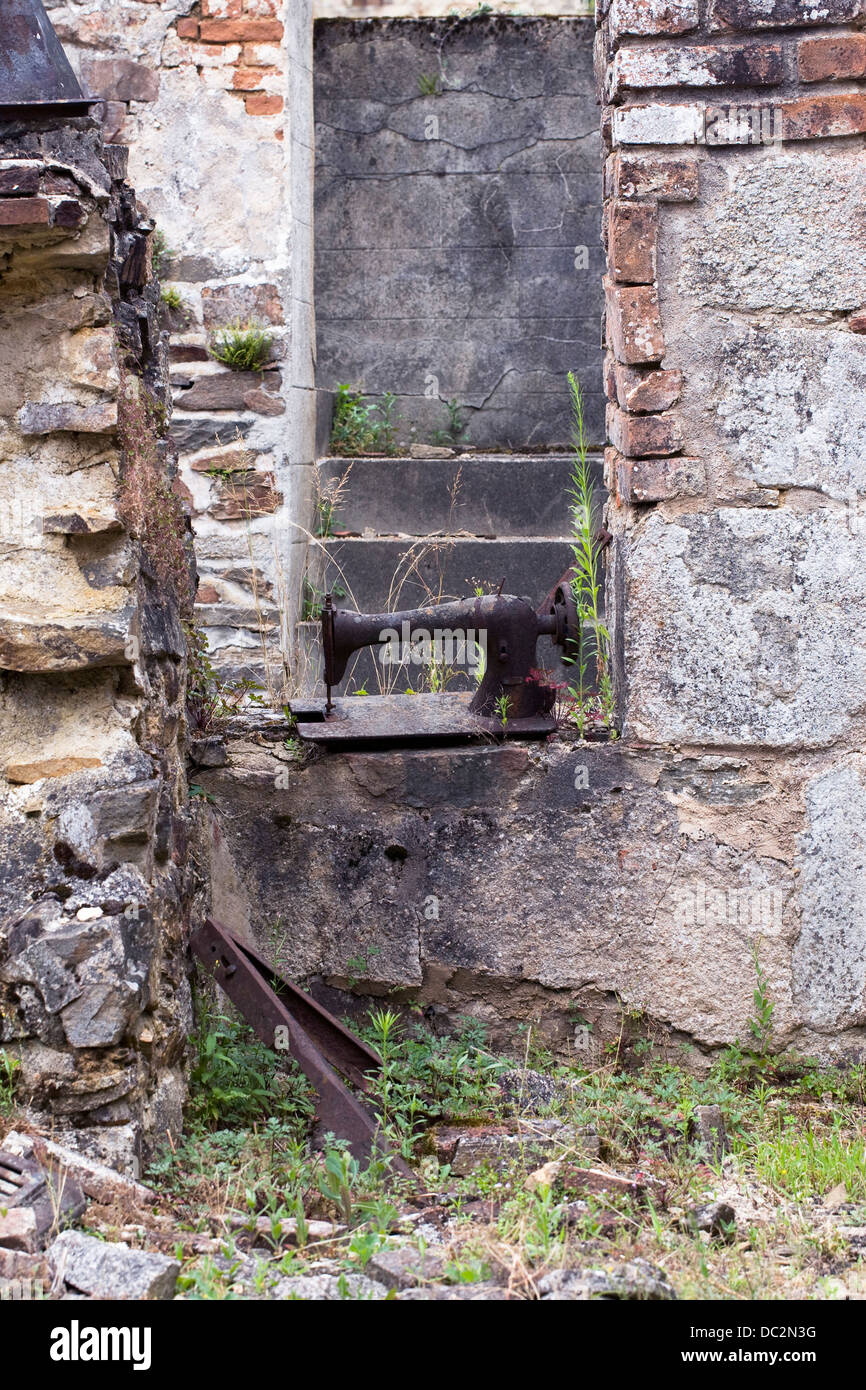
782	233
223	305
739	628
68	418
24	212
657	479
107	1270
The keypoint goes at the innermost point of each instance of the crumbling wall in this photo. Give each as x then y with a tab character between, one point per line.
736	375
214	100
95	579
564	886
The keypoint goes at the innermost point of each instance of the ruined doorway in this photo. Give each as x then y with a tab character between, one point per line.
458	280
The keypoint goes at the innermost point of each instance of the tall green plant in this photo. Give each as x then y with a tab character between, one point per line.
586	580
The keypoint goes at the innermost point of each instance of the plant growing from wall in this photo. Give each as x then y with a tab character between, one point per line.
245	347
456	432
363	427
161	255
596	704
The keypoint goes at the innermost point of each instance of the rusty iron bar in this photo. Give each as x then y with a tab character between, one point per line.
317	1041
36	77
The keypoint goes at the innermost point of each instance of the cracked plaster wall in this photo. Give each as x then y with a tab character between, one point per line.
458	213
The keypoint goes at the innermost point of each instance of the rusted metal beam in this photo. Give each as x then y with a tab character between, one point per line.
269	1002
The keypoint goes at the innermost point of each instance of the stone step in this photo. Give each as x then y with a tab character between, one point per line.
490	495
379	573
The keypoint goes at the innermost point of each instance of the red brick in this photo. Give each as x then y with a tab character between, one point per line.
821	117
187	28
646	390
261	7
657	479
24	212
743	15
263	104
749	64
18	182
637	436
857	322
241	31
631	242
248	79
833	56
650	176
634	323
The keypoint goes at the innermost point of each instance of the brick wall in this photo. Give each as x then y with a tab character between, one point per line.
735	375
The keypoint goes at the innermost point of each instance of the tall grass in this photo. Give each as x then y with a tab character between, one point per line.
592	698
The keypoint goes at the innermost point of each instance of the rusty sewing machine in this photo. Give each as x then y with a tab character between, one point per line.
508	702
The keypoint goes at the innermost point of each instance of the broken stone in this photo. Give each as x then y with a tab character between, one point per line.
68	418
430	451
544	1177
456	1293
329	1288
27	773
708	1129
104	1270
525	1091
80	523
635	1280
264	404
836	1197
209	751
406	1267
467	1148
716	1218
19	1228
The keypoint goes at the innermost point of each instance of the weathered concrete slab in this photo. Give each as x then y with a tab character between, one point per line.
434	570
479	494
520	883
458	195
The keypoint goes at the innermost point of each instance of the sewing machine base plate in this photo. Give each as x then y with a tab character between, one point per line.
390	719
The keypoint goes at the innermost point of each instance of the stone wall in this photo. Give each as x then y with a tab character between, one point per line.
95	579
630	886
214	99
458	211
735	377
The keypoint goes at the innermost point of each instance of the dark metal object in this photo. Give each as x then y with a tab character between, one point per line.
54	1197
317	1041
512	628
36	77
